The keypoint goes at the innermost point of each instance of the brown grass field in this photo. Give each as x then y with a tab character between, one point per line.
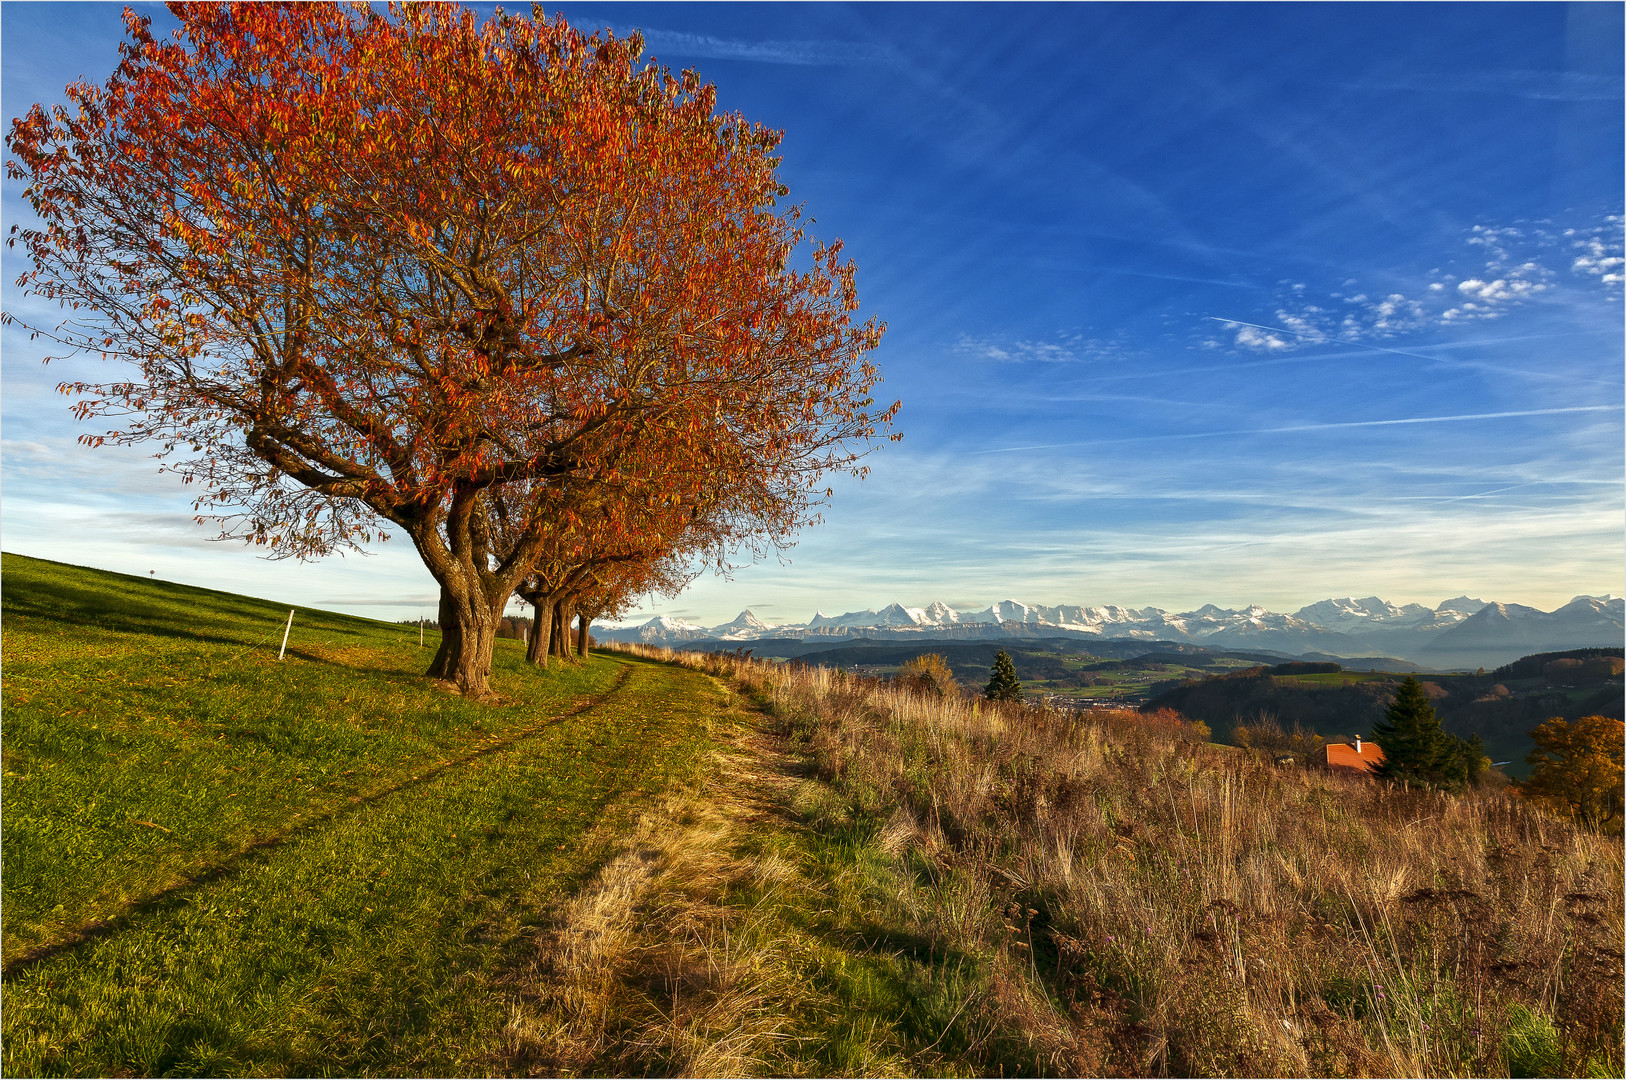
1103	895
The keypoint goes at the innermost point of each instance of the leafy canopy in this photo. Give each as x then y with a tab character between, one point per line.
928	674
1579	770
372	266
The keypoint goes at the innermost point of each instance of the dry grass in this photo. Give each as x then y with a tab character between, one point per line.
1134	903
656	968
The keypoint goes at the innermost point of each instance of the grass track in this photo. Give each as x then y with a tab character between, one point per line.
154	749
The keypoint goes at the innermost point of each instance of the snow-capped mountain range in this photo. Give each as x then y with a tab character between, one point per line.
1460	632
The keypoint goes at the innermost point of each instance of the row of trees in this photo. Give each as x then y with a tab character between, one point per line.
501	285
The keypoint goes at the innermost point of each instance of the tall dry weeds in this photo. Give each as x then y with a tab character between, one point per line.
1153	906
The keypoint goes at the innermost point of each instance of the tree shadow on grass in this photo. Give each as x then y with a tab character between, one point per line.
186	882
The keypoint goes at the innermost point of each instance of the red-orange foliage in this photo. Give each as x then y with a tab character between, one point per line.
385	266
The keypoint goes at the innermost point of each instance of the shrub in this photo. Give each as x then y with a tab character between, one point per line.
1268	735
928	674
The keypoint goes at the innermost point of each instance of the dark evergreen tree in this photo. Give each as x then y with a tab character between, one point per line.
1003	685
1414	748
1465	763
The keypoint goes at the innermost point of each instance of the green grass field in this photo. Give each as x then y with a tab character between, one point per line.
216	862
1341	678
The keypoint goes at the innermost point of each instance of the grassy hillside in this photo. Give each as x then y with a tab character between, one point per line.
218	863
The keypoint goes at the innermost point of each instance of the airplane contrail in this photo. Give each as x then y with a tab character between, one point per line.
1458	418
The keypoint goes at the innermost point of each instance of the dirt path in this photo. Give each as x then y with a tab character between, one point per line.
655	966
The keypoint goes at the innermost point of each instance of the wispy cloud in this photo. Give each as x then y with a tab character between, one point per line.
805	53
1063	348
1531	84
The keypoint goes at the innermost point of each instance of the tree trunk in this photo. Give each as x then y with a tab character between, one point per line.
559	640
455	543
582	622
536	650
468	632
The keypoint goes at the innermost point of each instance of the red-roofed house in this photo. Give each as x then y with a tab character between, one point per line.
1363	757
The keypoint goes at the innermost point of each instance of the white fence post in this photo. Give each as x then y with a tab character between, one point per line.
285	630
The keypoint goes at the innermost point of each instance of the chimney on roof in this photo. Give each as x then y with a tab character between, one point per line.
1357	745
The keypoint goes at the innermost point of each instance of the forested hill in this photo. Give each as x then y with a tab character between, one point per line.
1499	706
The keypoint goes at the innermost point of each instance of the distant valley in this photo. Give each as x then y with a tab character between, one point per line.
1462	633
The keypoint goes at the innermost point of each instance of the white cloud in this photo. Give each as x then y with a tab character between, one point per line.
1508	266
1600	253
1305	325
1394	313
1500	291
1251	337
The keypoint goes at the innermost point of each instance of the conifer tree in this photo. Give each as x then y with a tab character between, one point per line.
1414	748
1003	685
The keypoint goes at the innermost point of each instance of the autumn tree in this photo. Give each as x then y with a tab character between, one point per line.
1578	770
611	546
928	674
1003	685
369	268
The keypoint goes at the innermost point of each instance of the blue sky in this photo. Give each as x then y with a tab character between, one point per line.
1185	304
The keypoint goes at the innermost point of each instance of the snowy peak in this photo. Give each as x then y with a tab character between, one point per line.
1597	603
898	615
1348	609
1016	612
745	620
662	629
821	621
1500	613
666	622
1460	632
1209	611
